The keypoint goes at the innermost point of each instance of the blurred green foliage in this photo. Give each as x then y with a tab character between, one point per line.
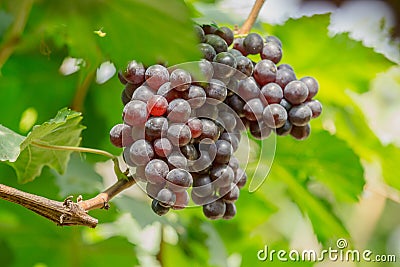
313	183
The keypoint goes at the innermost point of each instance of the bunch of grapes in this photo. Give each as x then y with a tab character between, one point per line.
182	125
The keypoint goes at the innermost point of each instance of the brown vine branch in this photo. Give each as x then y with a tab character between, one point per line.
251	19
66	213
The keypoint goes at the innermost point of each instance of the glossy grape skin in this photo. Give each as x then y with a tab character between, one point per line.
178	110
200	33
284	103
253	109
253	43
271	51
210	130
226	34
232	139
143	93
125	98
217	43
134	72
195	96
274	116
120	135
229	193
179	180
228	120
238	45
236	103
222	175
224	65
166	197
190	152
259	130
157	105
179	134
216	90
240	178
312	85
130	88
177	160
141	152
236	53
156	75
155	128
316	108
209	111
195	126
207	51
284	76
273	39
159	209
265	72
295	92
300	115
285	129
244	65
285	66
206	72
180	80
214	210
224	151
230	211
272	92
300	132
156	170
162	147
135	113
182	200
248	89
202	185
209	29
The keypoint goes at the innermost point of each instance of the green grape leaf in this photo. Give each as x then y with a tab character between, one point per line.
9	144
65	130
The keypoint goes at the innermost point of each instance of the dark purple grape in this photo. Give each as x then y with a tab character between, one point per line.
224	65
300	132
253	43
121	78
202	185
179	180
182	200
274	116
156	75
168	93
143	93
156	171
159	209
162	147
226	34
234	163
224	151
295	92
195	126
272	92
229	193
216	90
210	130
125	98
200	33
240	178
217	43
273	39
209	28
141	152
285	129
232	139
180	80
284	76
271	51
300	115
230	211
177	160
228	120
127	157
135	113
190	152
138	132
206	71
214	210
244	65
208	110
222	175
195	96
259	130
253	109
264	72
179	110
121	135
236	53
238	45
315	107
166	197
248	89
207	51
155	128
130	88
134	72
179	134
285	66
312	86
236	103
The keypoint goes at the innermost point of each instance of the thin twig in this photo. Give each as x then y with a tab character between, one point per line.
251	19
81	91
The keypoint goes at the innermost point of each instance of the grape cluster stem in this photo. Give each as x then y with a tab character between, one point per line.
251	19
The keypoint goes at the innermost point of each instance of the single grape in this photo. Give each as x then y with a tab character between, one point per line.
143	93
127	157
155	128
253	109
226	34
162	147
264	72
214	210
259	130
236	53
222	175
285	129
228	120
190	152
248	89
178	110
156	75
206	71
300	115
159	209
285	66
200	33
240	178
120	135
195	96
121	78
138	132
156	171
208	110
236	103
180	80
234	163
217	43
210	130
315	107
272	51
179	180
224	65
177	160
284	76
224	151
275	115
202	185
168	93
244	65
216	90
157	105
232	139
130	88
207	51
253	43
300	132
272	92
134	72
295	92
195	126
182	200
125	98
179	134
229	193
230	211
166	197
273	39
141	152
209	28
238	45
135	113
312	86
